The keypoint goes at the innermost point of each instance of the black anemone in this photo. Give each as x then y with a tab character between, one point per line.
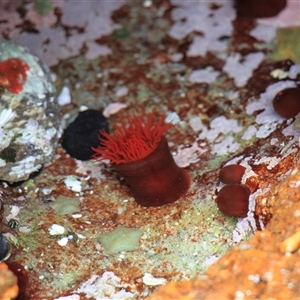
83	134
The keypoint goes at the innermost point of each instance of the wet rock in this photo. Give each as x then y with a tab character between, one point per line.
29	113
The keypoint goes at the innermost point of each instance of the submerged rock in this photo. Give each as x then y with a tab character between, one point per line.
29	113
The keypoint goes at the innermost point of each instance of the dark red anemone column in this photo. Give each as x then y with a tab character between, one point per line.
155	179
259	8
140	153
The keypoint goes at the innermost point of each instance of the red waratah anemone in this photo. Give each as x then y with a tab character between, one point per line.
140	153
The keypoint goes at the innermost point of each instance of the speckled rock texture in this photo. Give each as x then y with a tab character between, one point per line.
29	113
265	267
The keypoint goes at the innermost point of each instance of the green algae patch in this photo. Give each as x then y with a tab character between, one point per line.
121	33
66	205
121	239
287	44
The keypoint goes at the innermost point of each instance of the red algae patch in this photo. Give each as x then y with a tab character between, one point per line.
287	102
233	200
13	74
231	174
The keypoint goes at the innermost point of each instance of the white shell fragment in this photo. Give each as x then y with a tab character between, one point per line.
113	108
70	297
73	183
172	117
291	244
149	279
56	229
63	241
64	97
24	229
76	216
14	211
5	116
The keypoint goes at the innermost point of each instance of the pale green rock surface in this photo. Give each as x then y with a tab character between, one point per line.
121	239
66	205
287	44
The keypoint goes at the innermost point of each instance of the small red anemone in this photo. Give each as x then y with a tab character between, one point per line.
140	153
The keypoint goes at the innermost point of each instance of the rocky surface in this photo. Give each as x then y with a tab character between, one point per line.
215	75
264	267
29	113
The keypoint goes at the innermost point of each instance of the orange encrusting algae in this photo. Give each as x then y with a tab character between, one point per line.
131	143
141	155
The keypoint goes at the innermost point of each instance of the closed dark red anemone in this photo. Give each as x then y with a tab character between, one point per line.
259	8
22	276
287	102
233	200
232	173
140	153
